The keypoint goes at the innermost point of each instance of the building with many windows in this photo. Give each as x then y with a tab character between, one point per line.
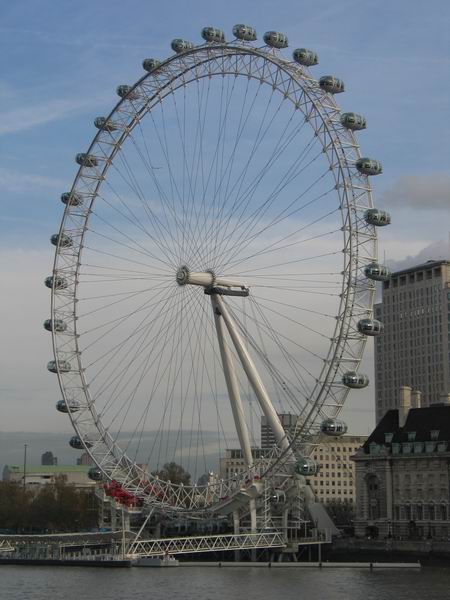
402	474
336	478
414	349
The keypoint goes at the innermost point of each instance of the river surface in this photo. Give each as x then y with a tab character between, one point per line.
213	583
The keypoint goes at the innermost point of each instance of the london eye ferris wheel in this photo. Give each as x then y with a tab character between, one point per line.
215	266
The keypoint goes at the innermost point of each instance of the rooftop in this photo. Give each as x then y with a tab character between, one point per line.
419	420
430	264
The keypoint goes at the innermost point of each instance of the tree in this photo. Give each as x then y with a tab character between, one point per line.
342	513
174	473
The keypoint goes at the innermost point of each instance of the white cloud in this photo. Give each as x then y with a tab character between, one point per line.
423	192
27	117
15	181
434	251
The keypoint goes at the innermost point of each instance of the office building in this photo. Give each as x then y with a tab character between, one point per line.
414	349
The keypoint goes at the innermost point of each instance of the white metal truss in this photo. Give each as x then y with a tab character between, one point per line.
206	543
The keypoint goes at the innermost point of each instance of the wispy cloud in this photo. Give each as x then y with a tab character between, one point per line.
430	191
15	181
27	117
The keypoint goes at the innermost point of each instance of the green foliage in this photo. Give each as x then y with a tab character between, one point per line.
342	513
174	473
52	507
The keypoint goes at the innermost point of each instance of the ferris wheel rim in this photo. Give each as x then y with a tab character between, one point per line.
231	50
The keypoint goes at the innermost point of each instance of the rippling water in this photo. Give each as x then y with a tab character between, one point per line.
209	583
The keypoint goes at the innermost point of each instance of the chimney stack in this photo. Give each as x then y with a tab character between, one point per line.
416	399
404	404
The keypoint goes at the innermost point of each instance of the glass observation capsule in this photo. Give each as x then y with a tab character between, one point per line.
355	380
86	160
369	166
212	34
370	327
105	124
377	272
305	57
377	217
60	282
73	198
275	39
125	91
76	443
95	474
57	325
307	466
353	121
63	366
150	64
61	406
64	240
331	84
333	427
178	45
244	32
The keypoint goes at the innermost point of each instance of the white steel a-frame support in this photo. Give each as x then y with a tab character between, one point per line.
253	377
232	385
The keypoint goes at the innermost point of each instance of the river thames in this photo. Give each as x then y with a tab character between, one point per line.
213	583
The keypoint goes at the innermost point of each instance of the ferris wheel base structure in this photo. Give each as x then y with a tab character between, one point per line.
216	265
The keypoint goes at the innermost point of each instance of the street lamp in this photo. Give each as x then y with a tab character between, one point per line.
25	446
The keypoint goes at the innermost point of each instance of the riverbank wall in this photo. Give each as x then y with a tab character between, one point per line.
388	550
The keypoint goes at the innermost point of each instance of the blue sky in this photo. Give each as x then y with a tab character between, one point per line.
61	62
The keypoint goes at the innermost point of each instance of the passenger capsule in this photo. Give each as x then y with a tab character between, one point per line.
86	160
244	33
275	39
307	466
150	64
369	166
305	57
355	380
77	443
126	91
60	282
63	366
331	84
73	199
377	217
370	327
212	34
178	45
63	240
106	124
353	121
333	427
61	406
57	325
95	474
377	272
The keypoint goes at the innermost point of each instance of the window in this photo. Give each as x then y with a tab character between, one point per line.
434	434
388	437
411	436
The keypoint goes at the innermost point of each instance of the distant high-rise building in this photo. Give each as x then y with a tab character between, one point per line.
48	459
414	349
288	422
85	460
